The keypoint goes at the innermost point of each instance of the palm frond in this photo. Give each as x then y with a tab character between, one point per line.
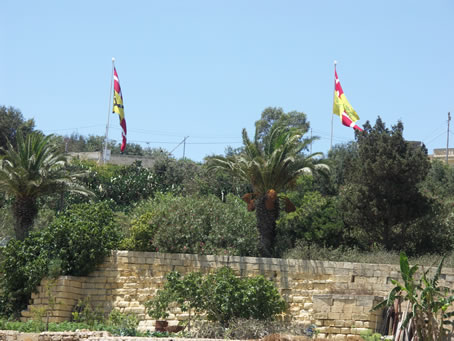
274	165
33	168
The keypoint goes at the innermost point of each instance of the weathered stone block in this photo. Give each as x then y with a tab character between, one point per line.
338	323
337	308
27	336
360	317
334	316
308	306
345	330
321	316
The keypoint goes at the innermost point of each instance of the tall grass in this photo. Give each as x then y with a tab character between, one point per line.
377	256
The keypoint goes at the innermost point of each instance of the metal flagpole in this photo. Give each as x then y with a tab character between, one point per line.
106	139
447	140
332	115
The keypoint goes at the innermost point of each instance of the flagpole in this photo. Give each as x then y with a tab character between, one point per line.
106	141
332	116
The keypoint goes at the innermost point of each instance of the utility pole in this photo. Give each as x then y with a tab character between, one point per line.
447	138
331	141
179	144
184	146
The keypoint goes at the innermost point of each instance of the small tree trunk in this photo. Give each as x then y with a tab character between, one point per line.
25	211
266	225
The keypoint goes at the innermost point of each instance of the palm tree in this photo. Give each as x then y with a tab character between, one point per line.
32	170
271	166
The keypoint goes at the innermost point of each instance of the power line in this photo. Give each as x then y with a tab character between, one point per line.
441	127
170	142
179	144
434	138
74	129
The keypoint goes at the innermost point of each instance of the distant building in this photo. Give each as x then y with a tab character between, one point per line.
440	154
113	159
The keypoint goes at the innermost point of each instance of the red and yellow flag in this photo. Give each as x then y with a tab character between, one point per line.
119	109
342	107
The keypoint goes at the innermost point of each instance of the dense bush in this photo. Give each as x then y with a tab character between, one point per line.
439	182
220	296
227	296
121	186
193	224
23	266
141	233
316	221
117	323
79	239
175	176
381	199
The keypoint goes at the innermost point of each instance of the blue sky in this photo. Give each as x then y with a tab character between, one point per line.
207	69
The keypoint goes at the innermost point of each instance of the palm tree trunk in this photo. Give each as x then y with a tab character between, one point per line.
24	211
266	225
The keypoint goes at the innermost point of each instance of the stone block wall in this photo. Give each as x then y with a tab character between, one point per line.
335	296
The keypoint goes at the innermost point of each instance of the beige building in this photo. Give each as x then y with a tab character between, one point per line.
113	159
440	154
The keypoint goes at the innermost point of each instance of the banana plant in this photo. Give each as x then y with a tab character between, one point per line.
426	315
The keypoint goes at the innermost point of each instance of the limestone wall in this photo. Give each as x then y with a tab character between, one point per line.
335	296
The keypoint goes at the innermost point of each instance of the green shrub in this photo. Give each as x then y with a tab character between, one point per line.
121	186
117	324
123	324
220	296
24	264
228	296
368	335
82	237
141	234
193	224
85	313
79	239
316	221
186	291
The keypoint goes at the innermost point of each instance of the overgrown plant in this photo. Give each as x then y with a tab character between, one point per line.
193	224
85	312
425	314
123	324
220	296
80	238
368	335
117	324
